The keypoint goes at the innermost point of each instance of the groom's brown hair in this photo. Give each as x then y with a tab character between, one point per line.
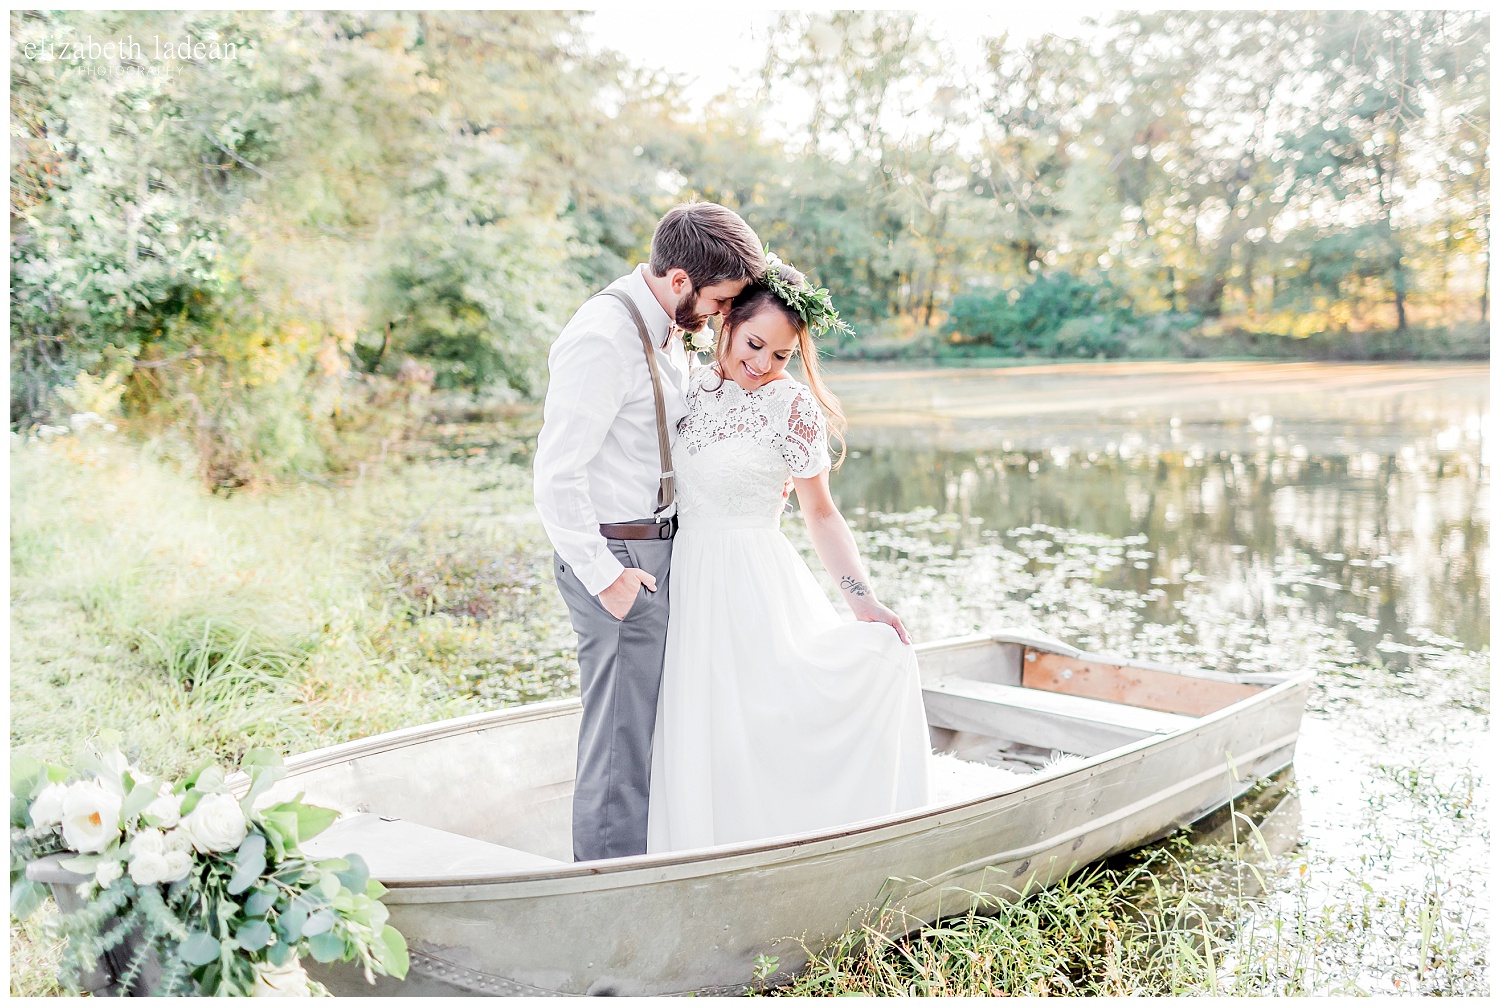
711	243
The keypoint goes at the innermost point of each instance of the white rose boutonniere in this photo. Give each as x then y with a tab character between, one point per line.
700	341
216	824
90	817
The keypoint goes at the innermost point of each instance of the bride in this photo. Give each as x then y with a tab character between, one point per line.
775	716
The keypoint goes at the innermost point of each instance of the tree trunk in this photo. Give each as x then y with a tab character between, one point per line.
1399	282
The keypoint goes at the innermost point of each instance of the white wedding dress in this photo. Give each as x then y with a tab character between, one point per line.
775	715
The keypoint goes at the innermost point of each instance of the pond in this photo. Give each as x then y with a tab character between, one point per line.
1243	516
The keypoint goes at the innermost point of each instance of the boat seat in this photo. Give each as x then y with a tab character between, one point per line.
1044	719
397	850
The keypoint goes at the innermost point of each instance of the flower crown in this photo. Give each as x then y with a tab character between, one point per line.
814	304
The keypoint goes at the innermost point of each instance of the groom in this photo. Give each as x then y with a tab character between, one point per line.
605	493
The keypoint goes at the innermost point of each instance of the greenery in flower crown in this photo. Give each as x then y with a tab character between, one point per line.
814	304
209	877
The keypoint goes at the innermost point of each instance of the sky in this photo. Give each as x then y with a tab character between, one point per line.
719	48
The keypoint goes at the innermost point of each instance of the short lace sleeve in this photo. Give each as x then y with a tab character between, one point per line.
805	443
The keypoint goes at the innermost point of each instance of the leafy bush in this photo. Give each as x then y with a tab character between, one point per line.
1055	314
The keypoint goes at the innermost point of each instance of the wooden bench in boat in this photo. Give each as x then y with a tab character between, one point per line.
397	850
1045	719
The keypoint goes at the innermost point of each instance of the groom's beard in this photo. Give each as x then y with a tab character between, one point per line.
686	316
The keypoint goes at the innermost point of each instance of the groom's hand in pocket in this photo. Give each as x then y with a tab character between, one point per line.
619	597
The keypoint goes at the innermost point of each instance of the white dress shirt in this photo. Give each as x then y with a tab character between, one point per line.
597	459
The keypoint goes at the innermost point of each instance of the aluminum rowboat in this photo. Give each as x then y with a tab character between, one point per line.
467	822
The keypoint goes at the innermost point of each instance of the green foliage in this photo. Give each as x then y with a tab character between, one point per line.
1055	314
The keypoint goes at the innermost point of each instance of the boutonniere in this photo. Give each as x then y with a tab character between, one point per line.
700	341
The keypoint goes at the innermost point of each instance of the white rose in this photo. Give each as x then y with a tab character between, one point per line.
91	817
179	864
216	824
148	868
108	872
166	810
289	980
177	841
47	809
148	841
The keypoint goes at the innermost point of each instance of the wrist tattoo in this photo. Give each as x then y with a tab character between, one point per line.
858	588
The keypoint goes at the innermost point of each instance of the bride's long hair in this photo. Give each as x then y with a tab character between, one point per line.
751	302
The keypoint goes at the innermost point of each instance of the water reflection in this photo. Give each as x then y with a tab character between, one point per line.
1381	545
1356	493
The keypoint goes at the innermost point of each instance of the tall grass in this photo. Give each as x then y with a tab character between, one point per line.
198	625
1214	912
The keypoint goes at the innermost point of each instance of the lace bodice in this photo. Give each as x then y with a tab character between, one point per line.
735	448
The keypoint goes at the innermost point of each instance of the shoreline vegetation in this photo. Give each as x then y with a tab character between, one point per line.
1456	343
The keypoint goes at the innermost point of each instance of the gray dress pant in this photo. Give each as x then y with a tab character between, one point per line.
619	665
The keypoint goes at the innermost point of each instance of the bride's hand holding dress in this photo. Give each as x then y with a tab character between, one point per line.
835	545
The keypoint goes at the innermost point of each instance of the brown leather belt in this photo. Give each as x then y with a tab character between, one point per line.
637	530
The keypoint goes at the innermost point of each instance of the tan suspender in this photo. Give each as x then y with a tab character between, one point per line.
667	492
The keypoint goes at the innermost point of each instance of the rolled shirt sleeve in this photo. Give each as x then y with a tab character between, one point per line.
588	384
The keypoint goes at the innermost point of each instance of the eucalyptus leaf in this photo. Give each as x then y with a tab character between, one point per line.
246	873
329	885
259	902
319	922
198	949
293	920
326	947
280	953
251	848
357	875
254	935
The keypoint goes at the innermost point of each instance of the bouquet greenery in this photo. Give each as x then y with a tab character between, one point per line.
214	885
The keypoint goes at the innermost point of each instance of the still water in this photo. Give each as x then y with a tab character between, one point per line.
1236	516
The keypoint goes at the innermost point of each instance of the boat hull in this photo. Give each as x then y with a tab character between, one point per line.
696	922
